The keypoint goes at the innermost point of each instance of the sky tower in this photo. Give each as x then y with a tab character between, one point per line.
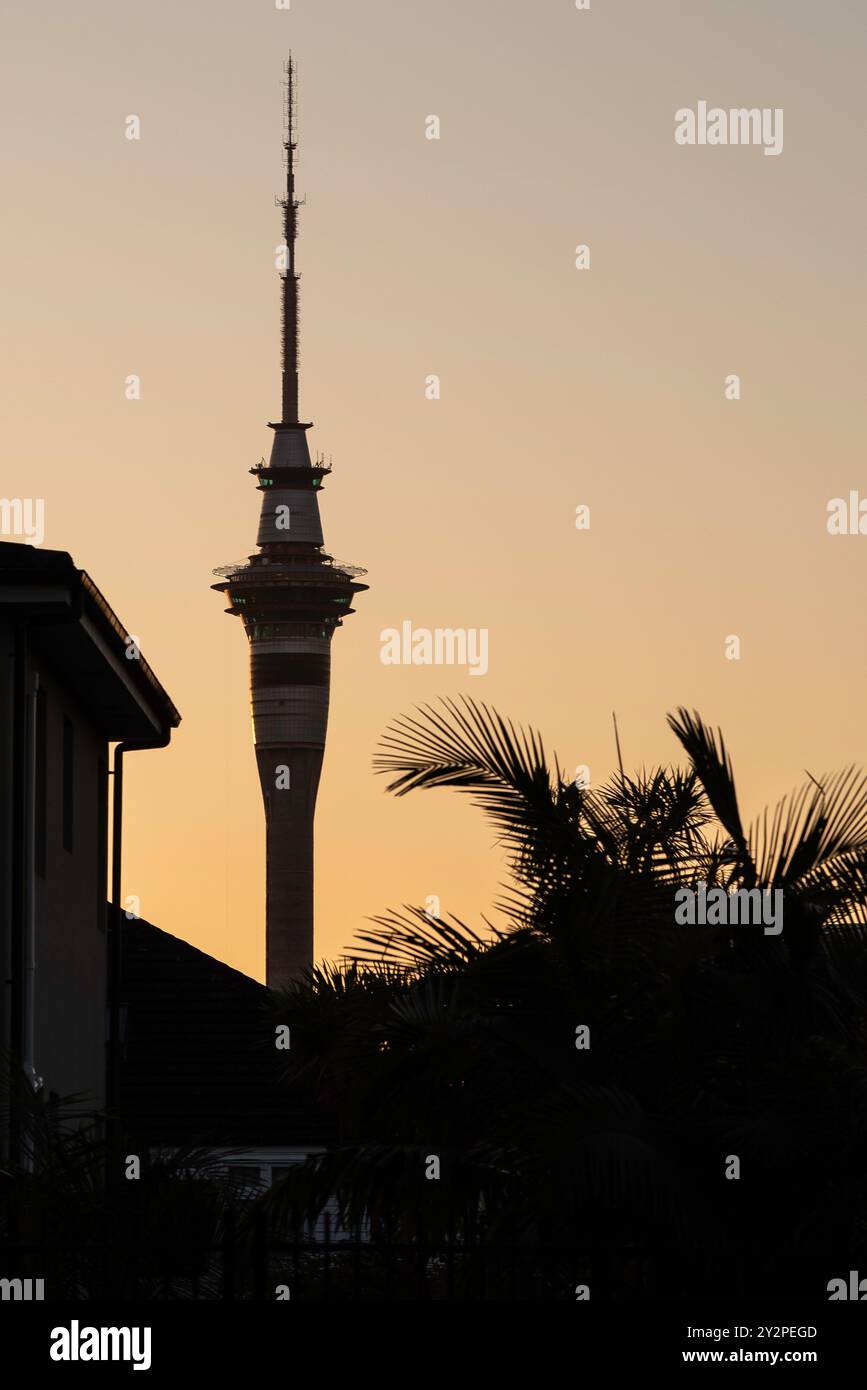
291	596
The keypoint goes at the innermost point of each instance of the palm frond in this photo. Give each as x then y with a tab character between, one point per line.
713	767
473	749
815	824
413	940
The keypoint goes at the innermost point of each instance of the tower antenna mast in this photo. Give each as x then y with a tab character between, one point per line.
290	205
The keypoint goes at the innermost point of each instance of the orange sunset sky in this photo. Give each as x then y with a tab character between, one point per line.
559	387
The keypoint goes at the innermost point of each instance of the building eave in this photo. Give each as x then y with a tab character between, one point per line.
75	629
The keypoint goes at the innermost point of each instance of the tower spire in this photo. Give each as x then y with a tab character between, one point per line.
290	205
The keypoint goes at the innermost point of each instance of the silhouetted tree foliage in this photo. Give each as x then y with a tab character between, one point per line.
705	1042
71	1216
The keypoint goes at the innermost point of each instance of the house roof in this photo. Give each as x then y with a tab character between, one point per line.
199	1063
74	628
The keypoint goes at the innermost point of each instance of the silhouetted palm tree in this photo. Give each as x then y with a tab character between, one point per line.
704	1042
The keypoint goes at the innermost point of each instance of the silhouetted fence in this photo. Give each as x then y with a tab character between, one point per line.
247	1262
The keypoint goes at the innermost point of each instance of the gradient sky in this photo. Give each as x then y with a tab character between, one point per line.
559	387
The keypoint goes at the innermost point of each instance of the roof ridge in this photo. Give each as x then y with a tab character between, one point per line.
138	922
